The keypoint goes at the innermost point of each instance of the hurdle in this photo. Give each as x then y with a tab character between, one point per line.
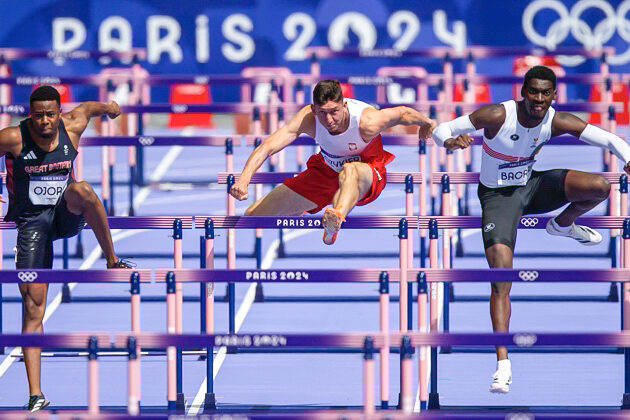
266	222
142	141
615	178
90	342
382	276
527	341
76	276
367	344
177	224
409	179
527	222
133	277
402	223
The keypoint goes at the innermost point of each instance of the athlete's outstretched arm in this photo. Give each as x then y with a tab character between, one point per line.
565	123
78	119
454	134
302	122
373	121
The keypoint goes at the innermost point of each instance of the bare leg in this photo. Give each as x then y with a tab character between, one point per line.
34	298
281	201
584	191
81	199
355	181
500	256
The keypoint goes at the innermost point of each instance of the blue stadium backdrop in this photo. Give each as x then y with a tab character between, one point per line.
210	37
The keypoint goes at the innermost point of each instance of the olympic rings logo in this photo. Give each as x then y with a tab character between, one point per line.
146	140
27	276
570	21
525	340
529	221
528	275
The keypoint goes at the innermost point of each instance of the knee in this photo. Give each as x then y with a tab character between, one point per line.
348	172
601	188
34	312
81	191
498	261
501	289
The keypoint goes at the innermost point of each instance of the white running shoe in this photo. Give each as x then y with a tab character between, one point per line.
583	234
501	381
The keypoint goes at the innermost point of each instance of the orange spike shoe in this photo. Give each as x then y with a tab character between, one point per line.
331	223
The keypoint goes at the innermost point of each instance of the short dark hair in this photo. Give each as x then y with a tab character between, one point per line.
540	72
327	90
45	93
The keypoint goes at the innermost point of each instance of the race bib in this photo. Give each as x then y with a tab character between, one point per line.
46	190
337	162
515	173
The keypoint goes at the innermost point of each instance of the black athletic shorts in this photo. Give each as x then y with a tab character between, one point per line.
36	233
502	208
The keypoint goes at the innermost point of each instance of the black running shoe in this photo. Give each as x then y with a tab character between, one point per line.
37	402
122	263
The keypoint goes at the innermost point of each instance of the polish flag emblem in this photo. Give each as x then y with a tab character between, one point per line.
352	146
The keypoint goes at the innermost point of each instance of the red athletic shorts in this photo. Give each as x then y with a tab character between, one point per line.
319	182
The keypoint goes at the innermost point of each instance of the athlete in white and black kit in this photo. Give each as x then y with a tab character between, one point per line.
47	204
514	133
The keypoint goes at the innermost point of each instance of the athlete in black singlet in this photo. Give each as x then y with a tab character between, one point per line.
47	204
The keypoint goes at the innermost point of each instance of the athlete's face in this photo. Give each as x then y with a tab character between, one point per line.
331	115
539	95
45	118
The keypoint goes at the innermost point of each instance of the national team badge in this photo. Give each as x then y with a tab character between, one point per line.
352	146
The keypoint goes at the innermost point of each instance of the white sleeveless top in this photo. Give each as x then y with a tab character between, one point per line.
507	159
338	149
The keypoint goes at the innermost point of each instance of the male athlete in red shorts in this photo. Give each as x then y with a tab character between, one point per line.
349	170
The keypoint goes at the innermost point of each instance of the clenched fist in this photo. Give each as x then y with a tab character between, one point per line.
113	109
460	142
239	191
424	132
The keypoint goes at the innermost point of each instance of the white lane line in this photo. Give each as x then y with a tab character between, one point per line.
243	310
95	254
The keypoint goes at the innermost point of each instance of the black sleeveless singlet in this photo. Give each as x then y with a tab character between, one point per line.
37	179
